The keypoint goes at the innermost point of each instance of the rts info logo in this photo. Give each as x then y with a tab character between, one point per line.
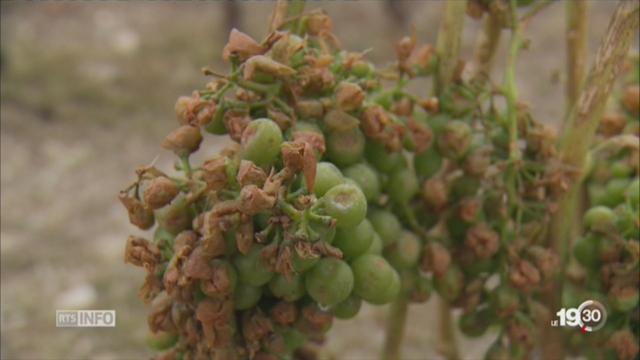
588	317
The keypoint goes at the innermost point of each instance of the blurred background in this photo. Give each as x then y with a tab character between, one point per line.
87	94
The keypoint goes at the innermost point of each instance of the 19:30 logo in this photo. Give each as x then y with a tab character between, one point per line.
590	316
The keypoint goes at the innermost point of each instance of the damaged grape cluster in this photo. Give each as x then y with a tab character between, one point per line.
608	254
342	186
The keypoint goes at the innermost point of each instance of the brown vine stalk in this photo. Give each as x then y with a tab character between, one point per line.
486	46
576	34
579	132
448	43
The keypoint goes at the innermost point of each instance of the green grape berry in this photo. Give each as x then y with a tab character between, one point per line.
381	158
327	176
376	245
402	185
161	340
375	279
355	241
345	203
347	308
174	217
450	284
301	265
615	190
405	252
455	139
427	163
599	218
252	268
475	323
386	225
345	148
289	288
246	296
261	141
585	250
366	178
330	281
504	301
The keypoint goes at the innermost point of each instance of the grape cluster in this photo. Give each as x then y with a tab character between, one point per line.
342	186
609	250
257	248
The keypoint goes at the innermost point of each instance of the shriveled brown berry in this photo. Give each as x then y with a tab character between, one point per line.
139	215
184	109
235	121
318	23
377	124
483	241
431	105
284	313
435	193
524	276
423	58
159	317
349	96
405	47
469	209
249	173
309	109
546	261
140	251
435	258
214	173
183	141
339	120
478	160
421	134
631	98
255	325
402	107
160	192
262	64
254	200
612	124
241	45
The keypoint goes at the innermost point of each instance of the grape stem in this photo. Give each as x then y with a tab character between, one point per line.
185	165
395	328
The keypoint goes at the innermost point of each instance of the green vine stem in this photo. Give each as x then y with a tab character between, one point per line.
578	135
395	329
486	46
449	41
